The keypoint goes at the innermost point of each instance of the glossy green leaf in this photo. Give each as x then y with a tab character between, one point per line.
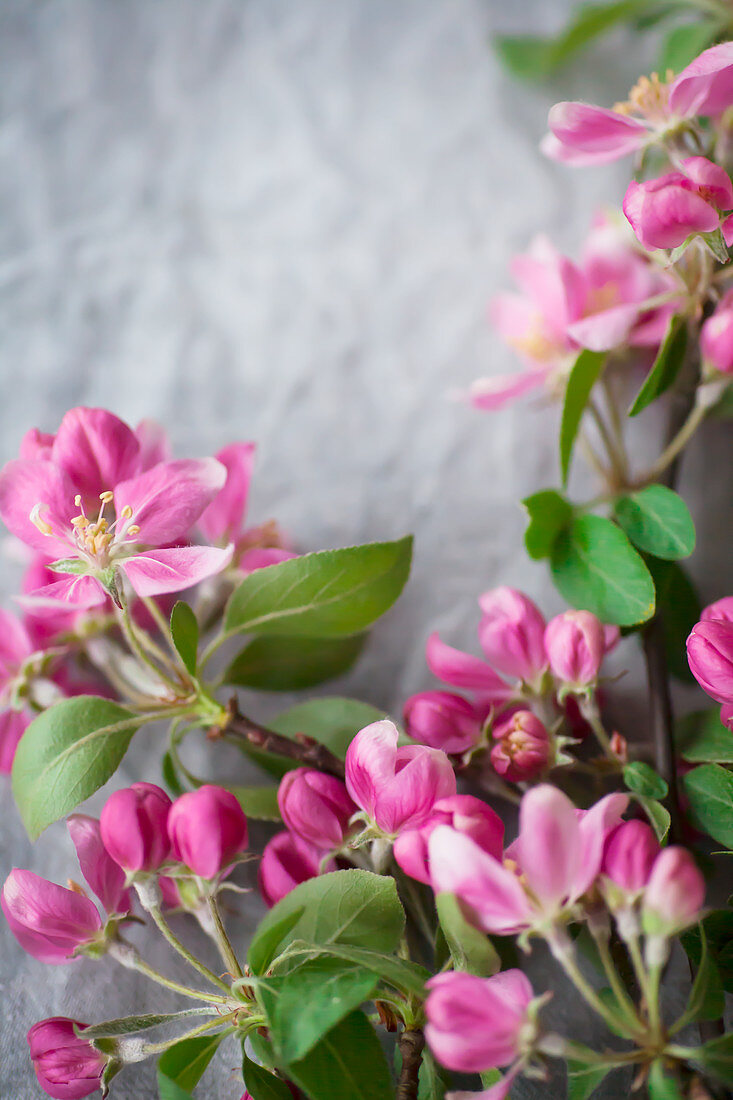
678	607
351	907
707	999
327	594
684	43
718	927
658	815
185	632
279	663
642	779
658	521
272	934
67	753
262	1085
716	1058
185	1062
430	1084
548	513
584	374
408	977
709	791
583	1080
258	802
702	738
666	366
595	567
169	1090
470	949
348	1063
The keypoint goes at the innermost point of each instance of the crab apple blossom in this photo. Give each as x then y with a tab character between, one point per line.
705	87
48	921
716	336
629	854
463	670
675	893
664	212
522	748
287	860
207	829
710	656
575	646
67	1067
463	812
133	826
103	874
512	633
720	609
442	720
315	806
475	1024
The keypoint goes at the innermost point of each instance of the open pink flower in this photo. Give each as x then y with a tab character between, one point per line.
16	647
664	212
463	812
48	921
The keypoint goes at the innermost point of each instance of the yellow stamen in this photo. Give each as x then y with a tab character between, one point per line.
80	521
126	512
133	529
77	500
36	518
107	496
648	98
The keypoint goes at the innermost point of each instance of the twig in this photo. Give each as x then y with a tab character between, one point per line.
304	750
411	1044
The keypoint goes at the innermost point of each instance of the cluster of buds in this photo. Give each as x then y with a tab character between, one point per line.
710	655
520	693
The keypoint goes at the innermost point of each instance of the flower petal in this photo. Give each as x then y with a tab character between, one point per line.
259	557
595	133
463	670
370	763
13	724
495	393
492	896
224	517
167	500
549	847
106	878
174	568
24	484
705	87
78	591
96	449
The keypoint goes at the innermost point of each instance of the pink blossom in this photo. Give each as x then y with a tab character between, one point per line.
208	829
287	860
462	670
104	875
629	854
710	656
522	748
133	826
442	720
511	633
16	647
475	1024
575	647
463	812
675	893
67	1067
48	921
705	87
582	134
664	212
721	609
716	336
315	807
396	787
13	724
558	853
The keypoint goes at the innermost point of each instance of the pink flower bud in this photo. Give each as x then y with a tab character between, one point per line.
104	875
675	893
465	814
664	212
721	609
512	633
710	656
716	336
442	720
133	826
475	1024
48	921
315	806
207	828
287	860
575	646
522	748
67	1067
629	854
396	787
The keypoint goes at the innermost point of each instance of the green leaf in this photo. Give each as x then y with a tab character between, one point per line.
666	366
262	1085
66	754
583	1080
258	802
707	999
327	594
709	791
658	815
350	907
348	1063
170	775
716	243
431	1085
185	633
642	779
718	927
658	521
185	1062
291	664
548	513
470	949
716	1058
69	565
702	738
305	1004
169	1090
683	44
267	940
584	374
595	567
128	1025
678	606
662	1085
405	976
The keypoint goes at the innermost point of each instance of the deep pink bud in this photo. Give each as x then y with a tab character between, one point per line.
207	828
133	826
396	787
315	806
716	336
104	875
575	646
710	656
287	860
474	1024
67	1067
512	633
721	609
675	893
48	921
465	814
522	749
629	854
442	720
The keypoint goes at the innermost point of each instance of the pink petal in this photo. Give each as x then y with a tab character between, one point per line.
549	844
370	763
36	444
595	132
462	670
224	518
493	896
96	449
13	724
607	329
499	1091
154	443
260	557
78	591
713	179
23	485
167	500
727	230
174	568
565	154
15	645
664	212
48	921
495	393
422	776
705	87
553	282
106	878
594	827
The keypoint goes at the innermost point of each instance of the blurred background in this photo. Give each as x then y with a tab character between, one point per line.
282	220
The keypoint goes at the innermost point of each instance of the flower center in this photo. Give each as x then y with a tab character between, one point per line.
649	98
93	538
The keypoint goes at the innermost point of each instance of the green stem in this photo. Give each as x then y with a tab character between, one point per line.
563	951
616	461
176	944
166	1044
130	631
589	711
614	979
223	941
653	1005
128	956
680	441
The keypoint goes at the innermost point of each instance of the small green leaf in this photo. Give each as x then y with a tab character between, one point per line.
259	803
662	1085
658	521
291	664
716	1058
583	1080
470	949
348	1063
707	999
702	738
408	977
169	1090
716	243
666	366
548	513
185	632
718	927
128	1025
684	43
584	374
678	607
327	594
170	775
431	1085
642	779
658	815
69	565
66	754
185	1062
709	791
262	1085
595	567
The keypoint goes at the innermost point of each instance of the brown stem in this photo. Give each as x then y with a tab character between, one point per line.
411	1045
304	750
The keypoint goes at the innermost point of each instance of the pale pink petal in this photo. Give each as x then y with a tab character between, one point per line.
422	776
25	484
492	897
174	568
595	131
549	844
607	329
705	87
259	557
36	444
727	230
711	178
499	1091
224	518
594	828
15	645
13	724
96	449
105	877
167	500
79	591
664	212
154	443
553	282
495	393
565	154
462	670
370	763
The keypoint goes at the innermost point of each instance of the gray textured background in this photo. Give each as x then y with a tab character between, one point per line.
282	220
